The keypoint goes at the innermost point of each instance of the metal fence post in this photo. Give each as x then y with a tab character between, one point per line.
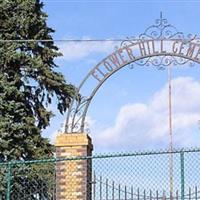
8	180
182	175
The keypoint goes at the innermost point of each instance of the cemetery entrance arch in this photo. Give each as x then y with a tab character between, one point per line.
161	45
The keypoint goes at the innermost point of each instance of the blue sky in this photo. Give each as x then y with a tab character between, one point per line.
129	111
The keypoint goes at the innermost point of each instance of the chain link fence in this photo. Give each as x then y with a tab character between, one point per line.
28	180
132	176
146	175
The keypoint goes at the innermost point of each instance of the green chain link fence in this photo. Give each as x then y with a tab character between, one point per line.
139	175
28	180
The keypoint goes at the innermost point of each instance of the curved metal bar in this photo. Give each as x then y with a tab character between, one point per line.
74	100
98	87
160	31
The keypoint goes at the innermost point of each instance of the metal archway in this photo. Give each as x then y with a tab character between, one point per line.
160	45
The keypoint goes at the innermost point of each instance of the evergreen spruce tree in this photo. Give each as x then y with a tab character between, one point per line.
28	81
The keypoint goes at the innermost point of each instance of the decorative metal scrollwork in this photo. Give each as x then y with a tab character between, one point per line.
161	30
76	115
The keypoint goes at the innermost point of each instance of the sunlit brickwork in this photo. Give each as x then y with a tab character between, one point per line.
73	178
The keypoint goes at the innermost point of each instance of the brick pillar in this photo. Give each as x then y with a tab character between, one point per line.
73	177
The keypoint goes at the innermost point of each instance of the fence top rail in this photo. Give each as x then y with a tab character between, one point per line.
99	156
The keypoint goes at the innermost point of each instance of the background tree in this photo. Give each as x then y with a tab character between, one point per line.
28	80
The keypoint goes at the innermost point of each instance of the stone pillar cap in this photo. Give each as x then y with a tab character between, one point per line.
73	139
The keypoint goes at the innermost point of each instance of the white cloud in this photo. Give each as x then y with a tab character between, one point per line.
79	50
139	126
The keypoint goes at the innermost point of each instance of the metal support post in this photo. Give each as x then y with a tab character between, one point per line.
8	180
182	176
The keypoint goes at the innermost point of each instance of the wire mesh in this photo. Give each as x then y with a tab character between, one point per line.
28	181
147	176
3	182
136	176
133	173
